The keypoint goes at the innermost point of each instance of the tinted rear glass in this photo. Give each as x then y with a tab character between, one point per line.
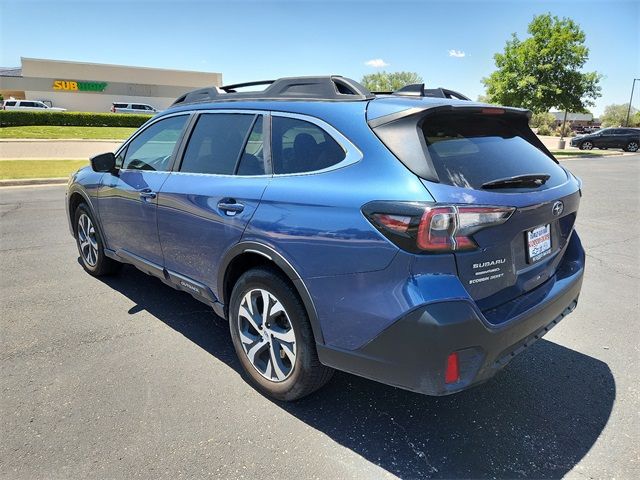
216	143
300	146
470	150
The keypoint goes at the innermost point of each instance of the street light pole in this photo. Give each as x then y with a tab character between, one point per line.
633	85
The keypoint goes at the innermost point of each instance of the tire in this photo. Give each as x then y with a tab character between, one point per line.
586	145
91	245
278	355
632	146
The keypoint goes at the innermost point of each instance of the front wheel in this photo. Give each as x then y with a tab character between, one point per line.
272	336
586	145
632	146
91	246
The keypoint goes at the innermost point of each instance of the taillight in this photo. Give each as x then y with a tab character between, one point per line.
433	228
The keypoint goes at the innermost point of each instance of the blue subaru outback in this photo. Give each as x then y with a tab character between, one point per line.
415	238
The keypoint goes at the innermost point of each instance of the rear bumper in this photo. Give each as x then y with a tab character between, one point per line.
412	352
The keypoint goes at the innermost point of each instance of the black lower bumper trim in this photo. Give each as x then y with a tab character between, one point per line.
412	353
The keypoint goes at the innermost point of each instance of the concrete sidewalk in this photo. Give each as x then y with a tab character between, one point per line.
52	149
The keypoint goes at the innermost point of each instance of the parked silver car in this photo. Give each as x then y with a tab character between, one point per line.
30	105
123	107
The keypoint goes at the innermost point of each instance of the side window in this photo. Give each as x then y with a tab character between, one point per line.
300	146
10	103
216	142
152	148
252	160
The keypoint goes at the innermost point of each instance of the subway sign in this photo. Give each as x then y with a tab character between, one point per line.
75	86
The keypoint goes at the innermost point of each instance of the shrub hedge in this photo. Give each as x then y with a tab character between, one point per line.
17	118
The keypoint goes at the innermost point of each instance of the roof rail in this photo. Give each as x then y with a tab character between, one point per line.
332	87
418	90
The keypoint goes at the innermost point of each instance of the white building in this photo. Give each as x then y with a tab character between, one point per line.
93	87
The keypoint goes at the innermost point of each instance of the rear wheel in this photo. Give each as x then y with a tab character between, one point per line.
587	145
91	246
632	146
272	336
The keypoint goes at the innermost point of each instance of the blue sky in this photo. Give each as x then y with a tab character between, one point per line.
448	43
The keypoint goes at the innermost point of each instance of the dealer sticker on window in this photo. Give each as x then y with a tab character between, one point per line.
539	242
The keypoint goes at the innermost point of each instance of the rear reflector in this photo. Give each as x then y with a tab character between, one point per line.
452	373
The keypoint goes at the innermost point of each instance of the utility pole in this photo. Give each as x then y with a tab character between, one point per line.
626	124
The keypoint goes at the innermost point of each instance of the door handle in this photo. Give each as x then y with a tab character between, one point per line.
147	194
230	206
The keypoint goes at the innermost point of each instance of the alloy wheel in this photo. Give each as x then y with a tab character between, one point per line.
88	241
587	146
632	147
267	335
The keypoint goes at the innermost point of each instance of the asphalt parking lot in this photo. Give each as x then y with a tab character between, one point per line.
127	378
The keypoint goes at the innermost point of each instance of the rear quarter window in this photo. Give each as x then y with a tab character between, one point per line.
300	146
469	150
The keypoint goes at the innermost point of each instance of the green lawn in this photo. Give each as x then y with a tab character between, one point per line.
93	133
20	169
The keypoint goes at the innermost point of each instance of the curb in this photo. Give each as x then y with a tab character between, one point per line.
590	157
22	182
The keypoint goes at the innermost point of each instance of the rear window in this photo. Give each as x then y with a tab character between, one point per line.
470	150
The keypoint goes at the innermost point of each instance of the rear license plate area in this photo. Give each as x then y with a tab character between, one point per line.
538	243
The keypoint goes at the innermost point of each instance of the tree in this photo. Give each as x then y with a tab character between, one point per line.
389	81
484	99
616	116
544	122
544	70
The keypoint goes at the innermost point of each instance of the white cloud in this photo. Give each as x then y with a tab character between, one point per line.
376	63
457	53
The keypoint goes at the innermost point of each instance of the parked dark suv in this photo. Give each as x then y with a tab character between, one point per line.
627	139
416	238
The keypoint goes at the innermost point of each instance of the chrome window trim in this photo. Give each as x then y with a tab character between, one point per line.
352	153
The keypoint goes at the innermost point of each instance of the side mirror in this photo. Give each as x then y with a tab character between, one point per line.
104	162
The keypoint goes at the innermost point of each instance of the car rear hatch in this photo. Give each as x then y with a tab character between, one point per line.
486	168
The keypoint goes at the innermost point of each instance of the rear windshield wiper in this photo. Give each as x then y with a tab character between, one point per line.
528	180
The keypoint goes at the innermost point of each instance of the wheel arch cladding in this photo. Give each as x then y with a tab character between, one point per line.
74	201
244	256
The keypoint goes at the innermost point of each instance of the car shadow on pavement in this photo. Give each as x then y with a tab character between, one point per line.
537	418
